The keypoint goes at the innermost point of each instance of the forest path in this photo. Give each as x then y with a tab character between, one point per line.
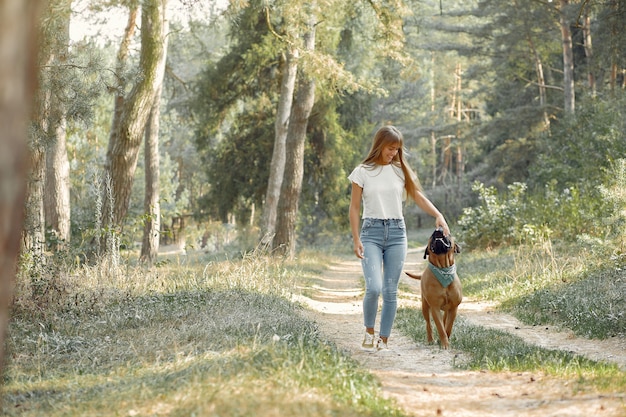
421	378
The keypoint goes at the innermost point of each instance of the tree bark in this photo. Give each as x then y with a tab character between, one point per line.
18	52
277	166
152	208
569	97
127	130
57	169
285	238
591	78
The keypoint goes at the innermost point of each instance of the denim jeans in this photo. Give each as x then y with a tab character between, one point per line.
384	249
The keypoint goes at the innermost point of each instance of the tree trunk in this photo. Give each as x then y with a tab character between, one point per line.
127	130
591	79
121	64
277	166
48	118
541	81
34	227
616	40
433	138
152	208
285	238
18	48
57	184
568	60
57	171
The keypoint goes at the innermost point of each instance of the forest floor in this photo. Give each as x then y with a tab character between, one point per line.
422	378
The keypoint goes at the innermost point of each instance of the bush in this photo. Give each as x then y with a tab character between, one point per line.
500	220
518	216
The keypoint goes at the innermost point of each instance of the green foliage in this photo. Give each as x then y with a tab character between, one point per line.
330	155
238	167
499	220
614	194
580	151
519	216
235	104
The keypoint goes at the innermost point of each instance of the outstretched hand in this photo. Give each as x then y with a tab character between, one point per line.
440	221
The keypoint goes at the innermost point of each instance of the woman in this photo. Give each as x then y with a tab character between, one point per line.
381	181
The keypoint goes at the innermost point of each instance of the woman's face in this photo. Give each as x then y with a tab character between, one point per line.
389	152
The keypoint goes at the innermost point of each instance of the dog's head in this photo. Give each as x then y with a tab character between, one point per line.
439	244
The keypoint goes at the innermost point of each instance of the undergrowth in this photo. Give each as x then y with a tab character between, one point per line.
185	338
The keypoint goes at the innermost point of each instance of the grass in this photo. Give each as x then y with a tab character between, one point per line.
566	286
186	338
496	350
206	336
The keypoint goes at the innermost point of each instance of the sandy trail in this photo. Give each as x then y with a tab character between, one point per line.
422	379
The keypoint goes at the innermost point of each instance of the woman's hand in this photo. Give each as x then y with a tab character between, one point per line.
440	221
358	249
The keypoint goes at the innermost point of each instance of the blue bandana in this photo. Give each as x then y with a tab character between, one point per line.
444	275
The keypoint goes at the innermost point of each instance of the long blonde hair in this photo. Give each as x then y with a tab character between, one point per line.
390	135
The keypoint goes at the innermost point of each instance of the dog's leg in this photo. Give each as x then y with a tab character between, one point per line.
443	337
448	319
426	314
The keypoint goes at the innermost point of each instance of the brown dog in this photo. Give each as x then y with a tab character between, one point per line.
441	287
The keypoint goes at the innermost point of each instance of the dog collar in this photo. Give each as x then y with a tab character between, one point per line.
445	276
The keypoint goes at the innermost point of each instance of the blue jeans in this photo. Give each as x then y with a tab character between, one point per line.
384	249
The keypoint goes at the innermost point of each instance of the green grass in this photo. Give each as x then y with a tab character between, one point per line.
186	338
497	350
564	286
206	336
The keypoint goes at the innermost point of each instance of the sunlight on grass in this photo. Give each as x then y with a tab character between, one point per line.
497	350
567	286
187	337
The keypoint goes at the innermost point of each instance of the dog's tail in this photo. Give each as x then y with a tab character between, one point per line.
414	276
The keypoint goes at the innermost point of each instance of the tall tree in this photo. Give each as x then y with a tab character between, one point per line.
18	49
128	127
569	94
285	238
57	172
281	126
48	136
152	207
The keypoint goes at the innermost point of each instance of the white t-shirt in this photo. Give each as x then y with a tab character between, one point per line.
383	190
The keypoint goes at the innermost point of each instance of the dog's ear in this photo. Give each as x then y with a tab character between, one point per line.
457	248
426	251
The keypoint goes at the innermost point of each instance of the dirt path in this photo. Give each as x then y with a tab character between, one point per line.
422	379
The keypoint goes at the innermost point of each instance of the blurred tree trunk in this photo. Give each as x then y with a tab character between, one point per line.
569	97
18	79
121	64
57	169
285	238
130	120
152	208
34	220
47	135
541	81
591	78
106	213
617	11
281	125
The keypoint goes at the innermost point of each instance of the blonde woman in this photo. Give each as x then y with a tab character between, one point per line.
381	181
